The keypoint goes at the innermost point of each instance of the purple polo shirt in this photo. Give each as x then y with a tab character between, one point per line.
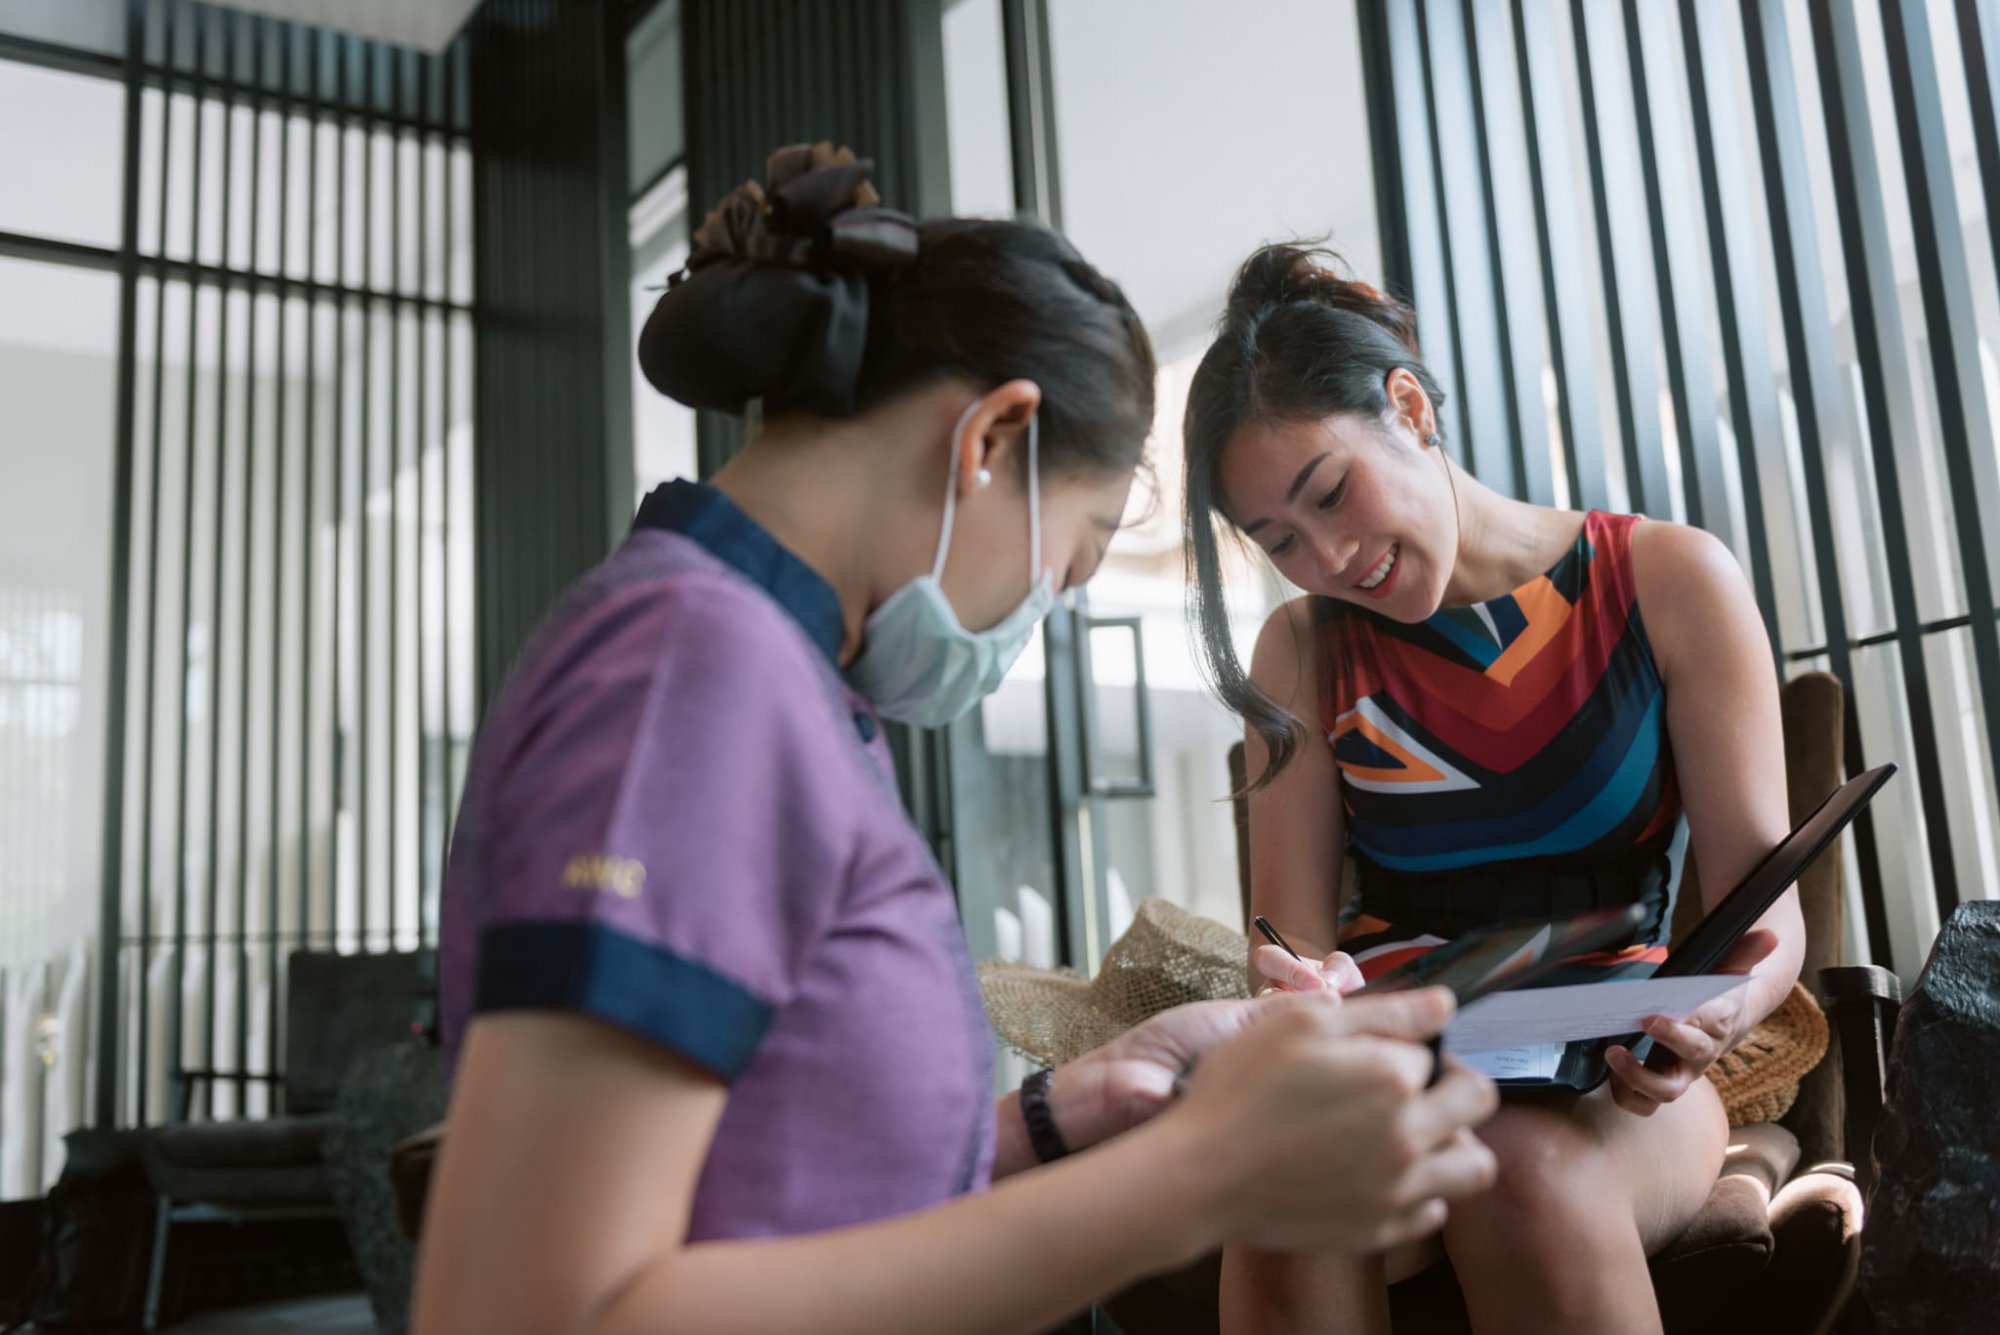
679	819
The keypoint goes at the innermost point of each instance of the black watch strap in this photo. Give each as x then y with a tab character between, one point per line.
1035	1111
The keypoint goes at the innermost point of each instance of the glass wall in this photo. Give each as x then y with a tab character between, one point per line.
1166	192
58	378
1753	271
289	433
662	430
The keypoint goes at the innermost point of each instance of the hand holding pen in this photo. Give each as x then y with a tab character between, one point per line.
1337	970
1291	972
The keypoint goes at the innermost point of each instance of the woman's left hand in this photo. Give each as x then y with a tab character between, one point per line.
1683	1050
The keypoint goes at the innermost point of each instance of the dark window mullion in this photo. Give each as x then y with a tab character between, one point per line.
177	1026
394	428
426	892
364	593
1890	636
310	516
447	409
111	890
280	433
255	281
143	1043
211	867
343	759
1037	183
105	259
246	548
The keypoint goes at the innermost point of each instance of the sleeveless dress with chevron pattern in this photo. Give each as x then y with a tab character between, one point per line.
1504	761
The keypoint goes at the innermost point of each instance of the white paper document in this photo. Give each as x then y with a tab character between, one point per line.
1537	1061
1554	1015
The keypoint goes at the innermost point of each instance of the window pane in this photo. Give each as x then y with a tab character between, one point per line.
57	377
58	330
1169	192
975	90
1000	785
653	83
662	431
86	27
62	142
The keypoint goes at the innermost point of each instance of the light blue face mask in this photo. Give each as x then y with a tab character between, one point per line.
918	662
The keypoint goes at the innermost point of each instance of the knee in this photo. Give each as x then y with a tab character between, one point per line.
1554	1181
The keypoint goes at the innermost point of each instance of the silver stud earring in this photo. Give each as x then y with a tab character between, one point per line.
983	478
1432	440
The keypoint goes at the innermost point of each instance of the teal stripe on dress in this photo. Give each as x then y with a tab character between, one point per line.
1465	630
1596	818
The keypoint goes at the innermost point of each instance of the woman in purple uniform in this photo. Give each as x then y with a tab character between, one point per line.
720	1059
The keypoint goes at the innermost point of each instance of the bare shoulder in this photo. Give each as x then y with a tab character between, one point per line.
1677	563
1287	622
1284	654
1690	588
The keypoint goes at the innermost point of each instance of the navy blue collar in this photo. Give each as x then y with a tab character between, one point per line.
701	512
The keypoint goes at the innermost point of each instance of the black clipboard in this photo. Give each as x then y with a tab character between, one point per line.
1512	954
1504	955
1582	1067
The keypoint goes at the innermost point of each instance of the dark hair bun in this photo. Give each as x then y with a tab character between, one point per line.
807	295
1280	274
773	304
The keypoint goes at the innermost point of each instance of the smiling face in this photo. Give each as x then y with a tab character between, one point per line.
1347	507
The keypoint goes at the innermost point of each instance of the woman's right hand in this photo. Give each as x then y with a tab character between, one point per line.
1282	973
1321	1133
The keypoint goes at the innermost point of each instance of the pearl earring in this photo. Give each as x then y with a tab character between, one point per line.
984	477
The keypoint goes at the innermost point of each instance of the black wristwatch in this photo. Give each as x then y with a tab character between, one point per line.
1035	1111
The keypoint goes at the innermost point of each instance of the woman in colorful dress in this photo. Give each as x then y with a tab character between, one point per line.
1499	711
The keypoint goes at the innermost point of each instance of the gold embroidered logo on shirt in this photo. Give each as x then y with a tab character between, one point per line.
599	871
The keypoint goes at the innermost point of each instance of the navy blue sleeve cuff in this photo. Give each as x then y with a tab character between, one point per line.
679	1003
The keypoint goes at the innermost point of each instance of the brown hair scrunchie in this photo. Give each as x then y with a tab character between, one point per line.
773	303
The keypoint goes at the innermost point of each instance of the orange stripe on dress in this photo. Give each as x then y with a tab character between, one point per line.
1414	769
1546	612
1362	924
1629	955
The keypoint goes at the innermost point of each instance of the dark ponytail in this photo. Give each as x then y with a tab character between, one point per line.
1298	343
812	299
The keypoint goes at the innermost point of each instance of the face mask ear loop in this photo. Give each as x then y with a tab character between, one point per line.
951	493
1035	568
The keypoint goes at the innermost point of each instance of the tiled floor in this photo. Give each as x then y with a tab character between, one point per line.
345	1314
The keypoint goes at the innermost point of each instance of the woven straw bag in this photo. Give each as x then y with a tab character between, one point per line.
1759	1079
1166	957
